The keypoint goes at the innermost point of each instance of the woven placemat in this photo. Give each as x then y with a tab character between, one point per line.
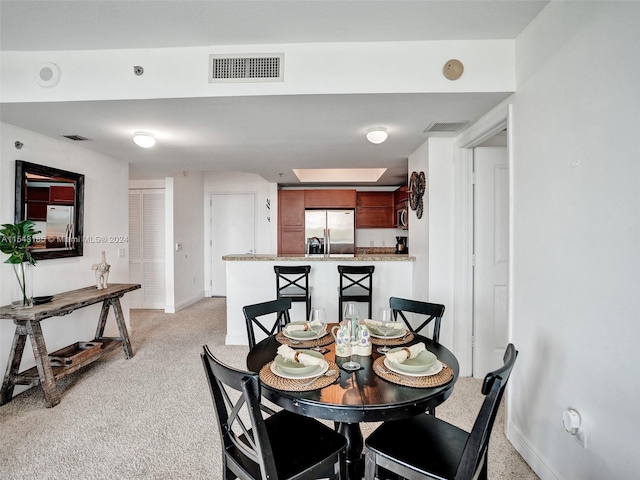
323	341
392	342
297	385
437	380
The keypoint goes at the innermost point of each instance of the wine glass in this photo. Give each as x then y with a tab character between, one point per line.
385	317
318	323
352	315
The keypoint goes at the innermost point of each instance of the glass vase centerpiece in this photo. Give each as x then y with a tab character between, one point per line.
15	240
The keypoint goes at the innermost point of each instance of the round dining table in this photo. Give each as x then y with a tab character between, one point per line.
359	396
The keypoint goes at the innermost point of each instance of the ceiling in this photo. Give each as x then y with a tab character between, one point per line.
268	135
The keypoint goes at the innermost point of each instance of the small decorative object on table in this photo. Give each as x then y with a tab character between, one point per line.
363	347
14	241
102	272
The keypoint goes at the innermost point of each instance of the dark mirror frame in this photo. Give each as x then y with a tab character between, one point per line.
22	169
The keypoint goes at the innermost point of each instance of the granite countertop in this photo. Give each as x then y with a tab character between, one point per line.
359	257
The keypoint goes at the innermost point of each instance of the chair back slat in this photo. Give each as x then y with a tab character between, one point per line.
356	285
433	312
477	445
278	310
249	443
293	282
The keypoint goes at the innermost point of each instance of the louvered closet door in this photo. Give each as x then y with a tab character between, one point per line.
146	248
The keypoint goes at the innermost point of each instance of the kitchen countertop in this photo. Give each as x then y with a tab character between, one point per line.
250	257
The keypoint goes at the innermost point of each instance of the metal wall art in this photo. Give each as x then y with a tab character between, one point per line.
417	187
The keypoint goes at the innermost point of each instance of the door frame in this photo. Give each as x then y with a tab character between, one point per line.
488	126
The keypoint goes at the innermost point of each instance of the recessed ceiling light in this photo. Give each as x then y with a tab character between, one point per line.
144	140
377	135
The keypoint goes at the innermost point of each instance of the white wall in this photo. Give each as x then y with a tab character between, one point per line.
419	228
187	228
576	232
316	68
431	237
105	214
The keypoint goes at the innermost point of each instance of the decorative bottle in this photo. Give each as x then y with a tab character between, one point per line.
364	340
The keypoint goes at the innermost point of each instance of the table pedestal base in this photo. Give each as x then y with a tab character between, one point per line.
355	445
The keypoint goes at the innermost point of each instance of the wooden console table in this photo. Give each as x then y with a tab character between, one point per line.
28	325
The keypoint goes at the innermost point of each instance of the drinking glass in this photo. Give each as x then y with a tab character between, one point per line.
385	317
352	315
318	323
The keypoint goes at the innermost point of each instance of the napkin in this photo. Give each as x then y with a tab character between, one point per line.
400	356
292	355
292	327
377	324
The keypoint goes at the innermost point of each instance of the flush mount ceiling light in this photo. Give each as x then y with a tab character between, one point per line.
144	140
377	135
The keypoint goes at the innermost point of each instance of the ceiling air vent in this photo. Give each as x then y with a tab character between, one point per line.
76	138
262	67
444	129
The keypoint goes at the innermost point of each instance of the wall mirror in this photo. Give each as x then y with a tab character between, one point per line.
54	200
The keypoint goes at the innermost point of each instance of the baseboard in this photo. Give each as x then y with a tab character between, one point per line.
185	303
531	454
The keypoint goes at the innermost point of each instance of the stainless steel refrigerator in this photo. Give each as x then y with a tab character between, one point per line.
330	232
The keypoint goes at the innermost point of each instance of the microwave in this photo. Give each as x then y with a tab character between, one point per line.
402	216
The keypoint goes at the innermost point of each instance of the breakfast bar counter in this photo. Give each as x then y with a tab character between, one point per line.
251	279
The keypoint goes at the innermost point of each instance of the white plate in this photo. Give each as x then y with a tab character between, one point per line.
301	334
391	336
317	371
433	370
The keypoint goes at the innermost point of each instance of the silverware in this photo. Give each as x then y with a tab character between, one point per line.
328	373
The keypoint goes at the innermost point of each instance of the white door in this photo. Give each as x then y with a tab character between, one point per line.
232	232
491	251
146	248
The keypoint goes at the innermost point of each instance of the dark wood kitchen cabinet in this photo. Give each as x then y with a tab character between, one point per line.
330	199
375	210
291	222
61	195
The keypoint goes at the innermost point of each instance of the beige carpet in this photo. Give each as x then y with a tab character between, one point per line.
151	417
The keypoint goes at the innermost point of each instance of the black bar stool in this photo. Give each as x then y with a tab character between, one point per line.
293	282
356	285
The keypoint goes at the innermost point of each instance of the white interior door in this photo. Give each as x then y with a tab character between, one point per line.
491	251
232	232
146	248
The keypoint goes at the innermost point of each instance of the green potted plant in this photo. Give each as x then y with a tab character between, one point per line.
14	241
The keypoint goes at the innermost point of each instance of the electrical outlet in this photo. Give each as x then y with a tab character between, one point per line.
121	252
384	244
371	243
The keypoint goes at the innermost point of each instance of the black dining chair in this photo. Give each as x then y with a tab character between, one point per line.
356	285
432	311
276	446
293	282
424	446
278	312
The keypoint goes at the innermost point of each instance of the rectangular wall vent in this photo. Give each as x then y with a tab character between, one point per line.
263	67
76	138
444	129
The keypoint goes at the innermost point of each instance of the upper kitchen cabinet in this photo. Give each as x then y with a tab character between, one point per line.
291	207
401	195
291	222
375	210
330	199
